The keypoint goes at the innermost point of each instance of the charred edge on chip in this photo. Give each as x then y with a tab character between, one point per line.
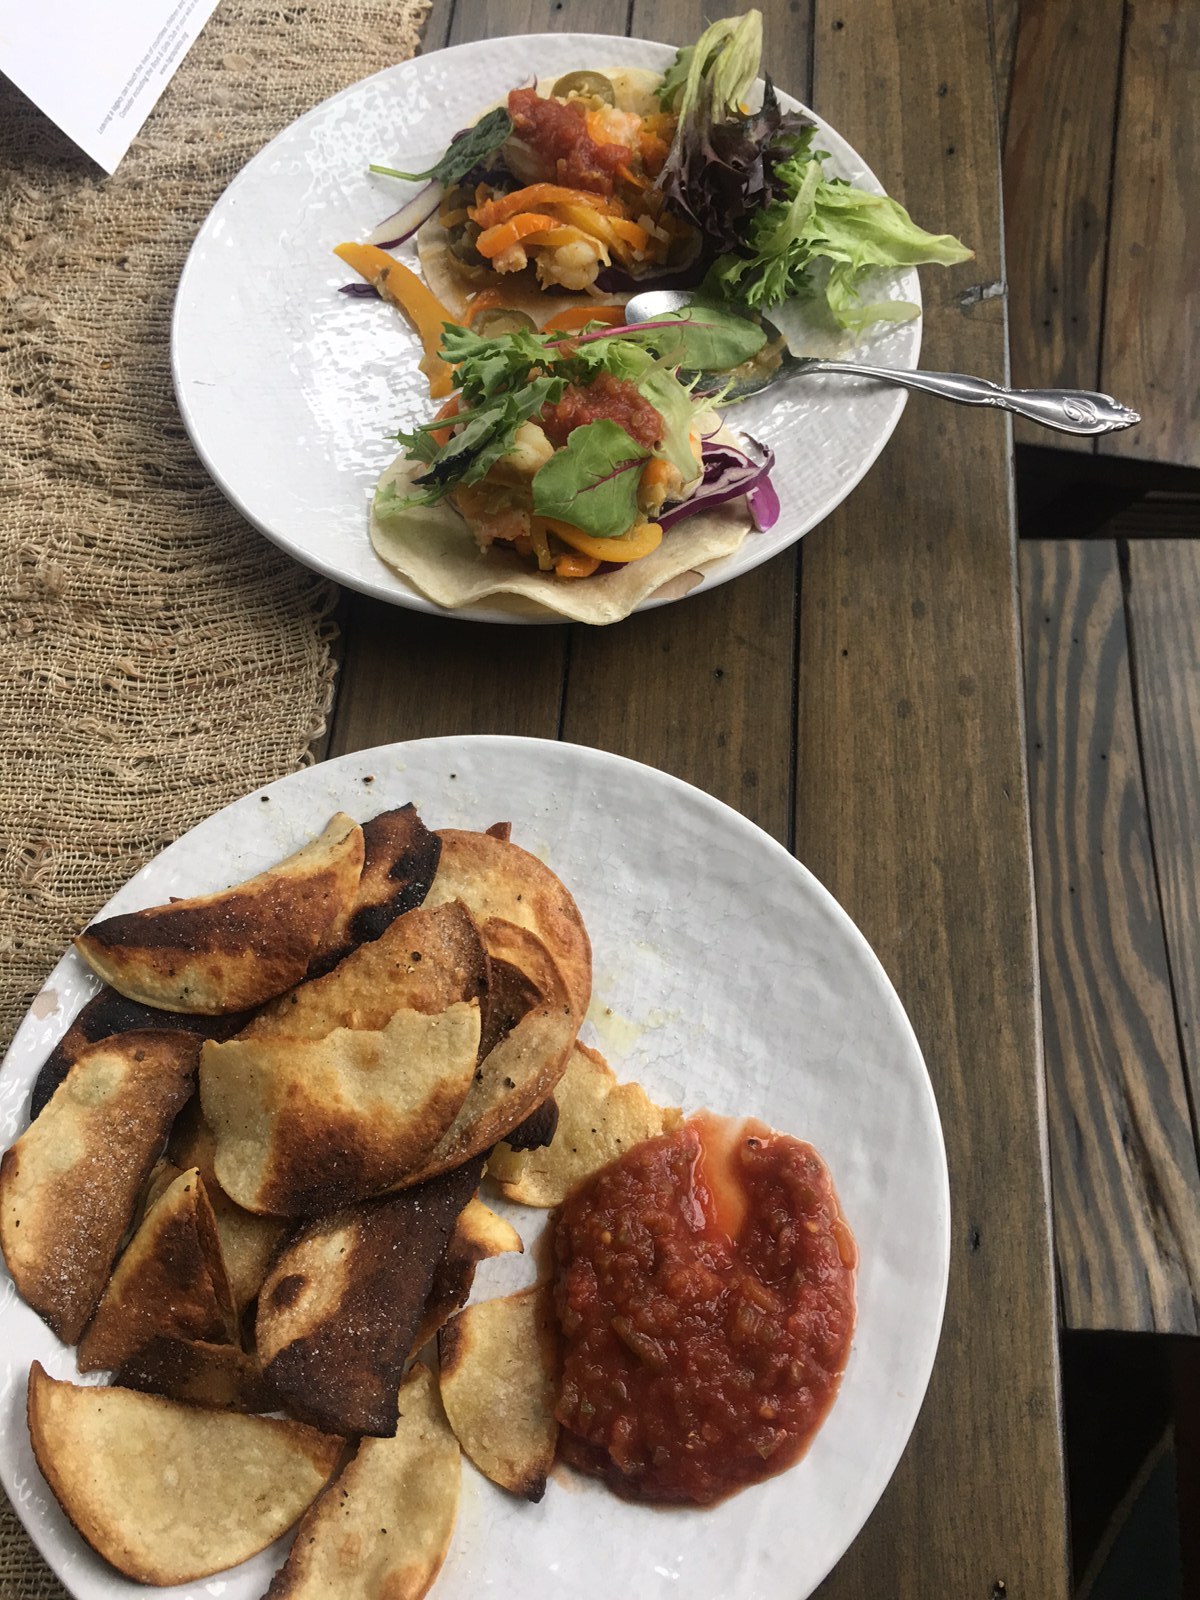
537	1130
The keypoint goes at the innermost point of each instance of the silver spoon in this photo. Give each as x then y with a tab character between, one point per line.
1068	410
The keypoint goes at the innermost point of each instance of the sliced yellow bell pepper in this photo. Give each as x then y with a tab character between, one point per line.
404	290
641	539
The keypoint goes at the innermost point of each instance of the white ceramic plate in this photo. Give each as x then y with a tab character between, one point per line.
725	976
292	393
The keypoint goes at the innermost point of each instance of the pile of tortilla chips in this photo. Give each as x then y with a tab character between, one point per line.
250	1186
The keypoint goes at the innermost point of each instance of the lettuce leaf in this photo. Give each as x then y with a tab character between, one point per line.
825	220
592	482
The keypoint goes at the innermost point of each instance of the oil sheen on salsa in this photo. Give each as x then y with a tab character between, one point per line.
705	1291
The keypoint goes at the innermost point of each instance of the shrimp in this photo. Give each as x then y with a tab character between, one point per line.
572	266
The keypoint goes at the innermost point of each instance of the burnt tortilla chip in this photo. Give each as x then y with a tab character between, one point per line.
107	1014
479	1234
69	1186
400	859
170	1280
339	1311
199	1374
236	948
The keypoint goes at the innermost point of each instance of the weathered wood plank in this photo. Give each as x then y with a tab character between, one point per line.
1123	1159
912	807
436	32
1057	165
704	689
492	19
1151	348
1005	18
1164	620
409	676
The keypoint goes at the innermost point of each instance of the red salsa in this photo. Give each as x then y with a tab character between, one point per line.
705	1290
556	131
606	396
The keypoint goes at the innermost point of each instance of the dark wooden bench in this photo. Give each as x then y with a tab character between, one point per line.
1101	178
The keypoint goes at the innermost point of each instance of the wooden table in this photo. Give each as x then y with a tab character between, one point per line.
860	699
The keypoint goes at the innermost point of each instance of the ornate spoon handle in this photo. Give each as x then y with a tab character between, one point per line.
1069	410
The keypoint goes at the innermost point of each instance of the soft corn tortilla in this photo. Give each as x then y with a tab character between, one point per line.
434	549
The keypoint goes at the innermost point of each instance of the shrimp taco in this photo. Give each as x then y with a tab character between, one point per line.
567	204
577	473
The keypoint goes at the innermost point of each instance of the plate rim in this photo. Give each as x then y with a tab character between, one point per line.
728	816
411	598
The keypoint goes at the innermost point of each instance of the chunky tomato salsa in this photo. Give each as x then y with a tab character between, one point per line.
705	1290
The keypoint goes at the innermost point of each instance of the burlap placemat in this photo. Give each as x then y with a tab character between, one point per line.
159	658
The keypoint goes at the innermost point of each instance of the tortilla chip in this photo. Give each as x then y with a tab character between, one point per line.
425	961
247	1242
110	1013
434	549
509	1082
234	949
400	859
502	884
382	1528
598	1120
538	1128
69	1186
511	993
199	1374
337	1315
170	1493
478	1235
303	1126
499	1386
170	1280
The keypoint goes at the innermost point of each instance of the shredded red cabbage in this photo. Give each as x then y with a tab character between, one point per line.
728	473
402	224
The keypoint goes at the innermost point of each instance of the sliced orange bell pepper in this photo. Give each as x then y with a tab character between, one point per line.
404	290
576	317
641	539
569	565
535	197
484	300
442	436
616	231
495	241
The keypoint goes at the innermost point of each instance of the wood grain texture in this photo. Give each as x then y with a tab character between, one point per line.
1151	347
1123	1158
912	808
409	676
1057	165
1164	621
1006	19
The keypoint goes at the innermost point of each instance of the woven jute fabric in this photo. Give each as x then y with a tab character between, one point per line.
159	657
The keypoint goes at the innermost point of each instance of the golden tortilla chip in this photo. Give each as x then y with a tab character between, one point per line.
382	1528
69	1186
227	951
304	1126
598	1120
170	1280
479	1234
199	1374
499	1387
248	1242
425	961
337	1315
170	1493
503	886
400	859
509	1082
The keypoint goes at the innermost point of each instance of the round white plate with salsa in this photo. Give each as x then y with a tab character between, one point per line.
293	393
725	977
